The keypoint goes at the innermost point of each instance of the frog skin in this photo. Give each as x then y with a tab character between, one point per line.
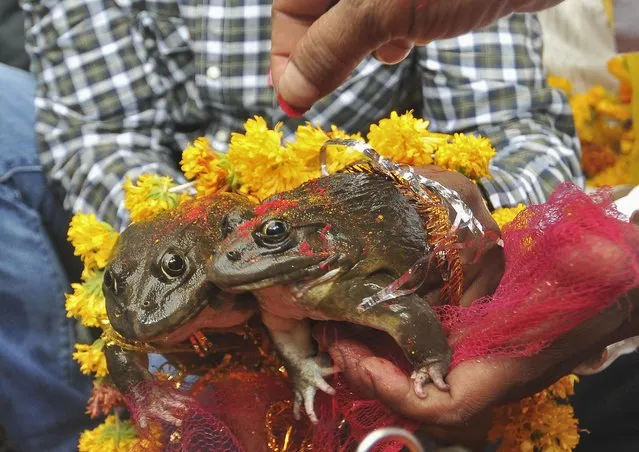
157	292
314	253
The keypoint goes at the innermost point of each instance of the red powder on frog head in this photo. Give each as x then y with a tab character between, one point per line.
324	232
196	212
305	250
246	227
270	208
273	207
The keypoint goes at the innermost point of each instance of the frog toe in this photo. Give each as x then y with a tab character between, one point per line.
311	378
434	373
305	397
326	367
309	398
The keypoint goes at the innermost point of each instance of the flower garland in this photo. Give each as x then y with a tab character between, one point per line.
258	164
607	125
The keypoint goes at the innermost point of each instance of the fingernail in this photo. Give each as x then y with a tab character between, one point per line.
290	111
294	86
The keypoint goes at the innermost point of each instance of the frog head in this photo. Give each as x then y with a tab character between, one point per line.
345	224
155	282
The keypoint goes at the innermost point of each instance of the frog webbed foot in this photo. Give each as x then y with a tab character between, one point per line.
307	378
433	372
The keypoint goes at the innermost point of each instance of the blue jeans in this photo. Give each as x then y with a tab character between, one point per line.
42	393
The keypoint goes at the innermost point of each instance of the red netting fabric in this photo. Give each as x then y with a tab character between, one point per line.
566	260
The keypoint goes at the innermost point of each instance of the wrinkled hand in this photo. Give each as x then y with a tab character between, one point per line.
316	44
462	415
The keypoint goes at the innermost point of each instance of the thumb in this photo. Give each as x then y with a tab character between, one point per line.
336	43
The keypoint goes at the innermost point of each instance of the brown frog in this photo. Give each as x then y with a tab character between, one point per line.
315	253
157	292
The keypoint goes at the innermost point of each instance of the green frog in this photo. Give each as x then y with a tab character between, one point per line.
157	292
314	254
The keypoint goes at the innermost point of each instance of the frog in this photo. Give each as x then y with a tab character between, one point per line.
314	253
157	293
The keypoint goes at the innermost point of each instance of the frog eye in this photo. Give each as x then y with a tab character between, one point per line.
274	231
109	281
173	265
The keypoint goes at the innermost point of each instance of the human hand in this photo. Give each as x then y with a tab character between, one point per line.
481	258
316	44
477	386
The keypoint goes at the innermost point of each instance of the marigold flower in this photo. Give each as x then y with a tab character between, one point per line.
596	158
626	142
114	435
505	215
618	66
262	165
613	109
197	158
617	174
596	94
87	303
539	422
583	116
557	82
310	139
92	240
150	195
210	169
91	358
405	139
467	154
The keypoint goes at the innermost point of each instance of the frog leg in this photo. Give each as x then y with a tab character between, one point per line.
410	321
306	368
129	370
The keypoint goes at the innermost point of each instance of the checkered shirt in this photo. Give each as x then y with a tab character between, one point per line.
124	85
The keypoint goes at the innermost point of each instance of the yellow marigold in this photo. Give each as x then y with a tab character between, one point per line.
538	422
150	195
557	82
626	142
91	358
405	139
596	158
211	170
114	435
618	66
310	139
87	301
617	174
608	131
543	425
505	215
262	165
613	109
563	388
470	155
583	117
92	240
197	158
595	94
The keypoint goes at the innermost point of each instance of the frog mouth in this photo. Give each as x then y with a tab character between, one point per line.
304	276
186	327
189	329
